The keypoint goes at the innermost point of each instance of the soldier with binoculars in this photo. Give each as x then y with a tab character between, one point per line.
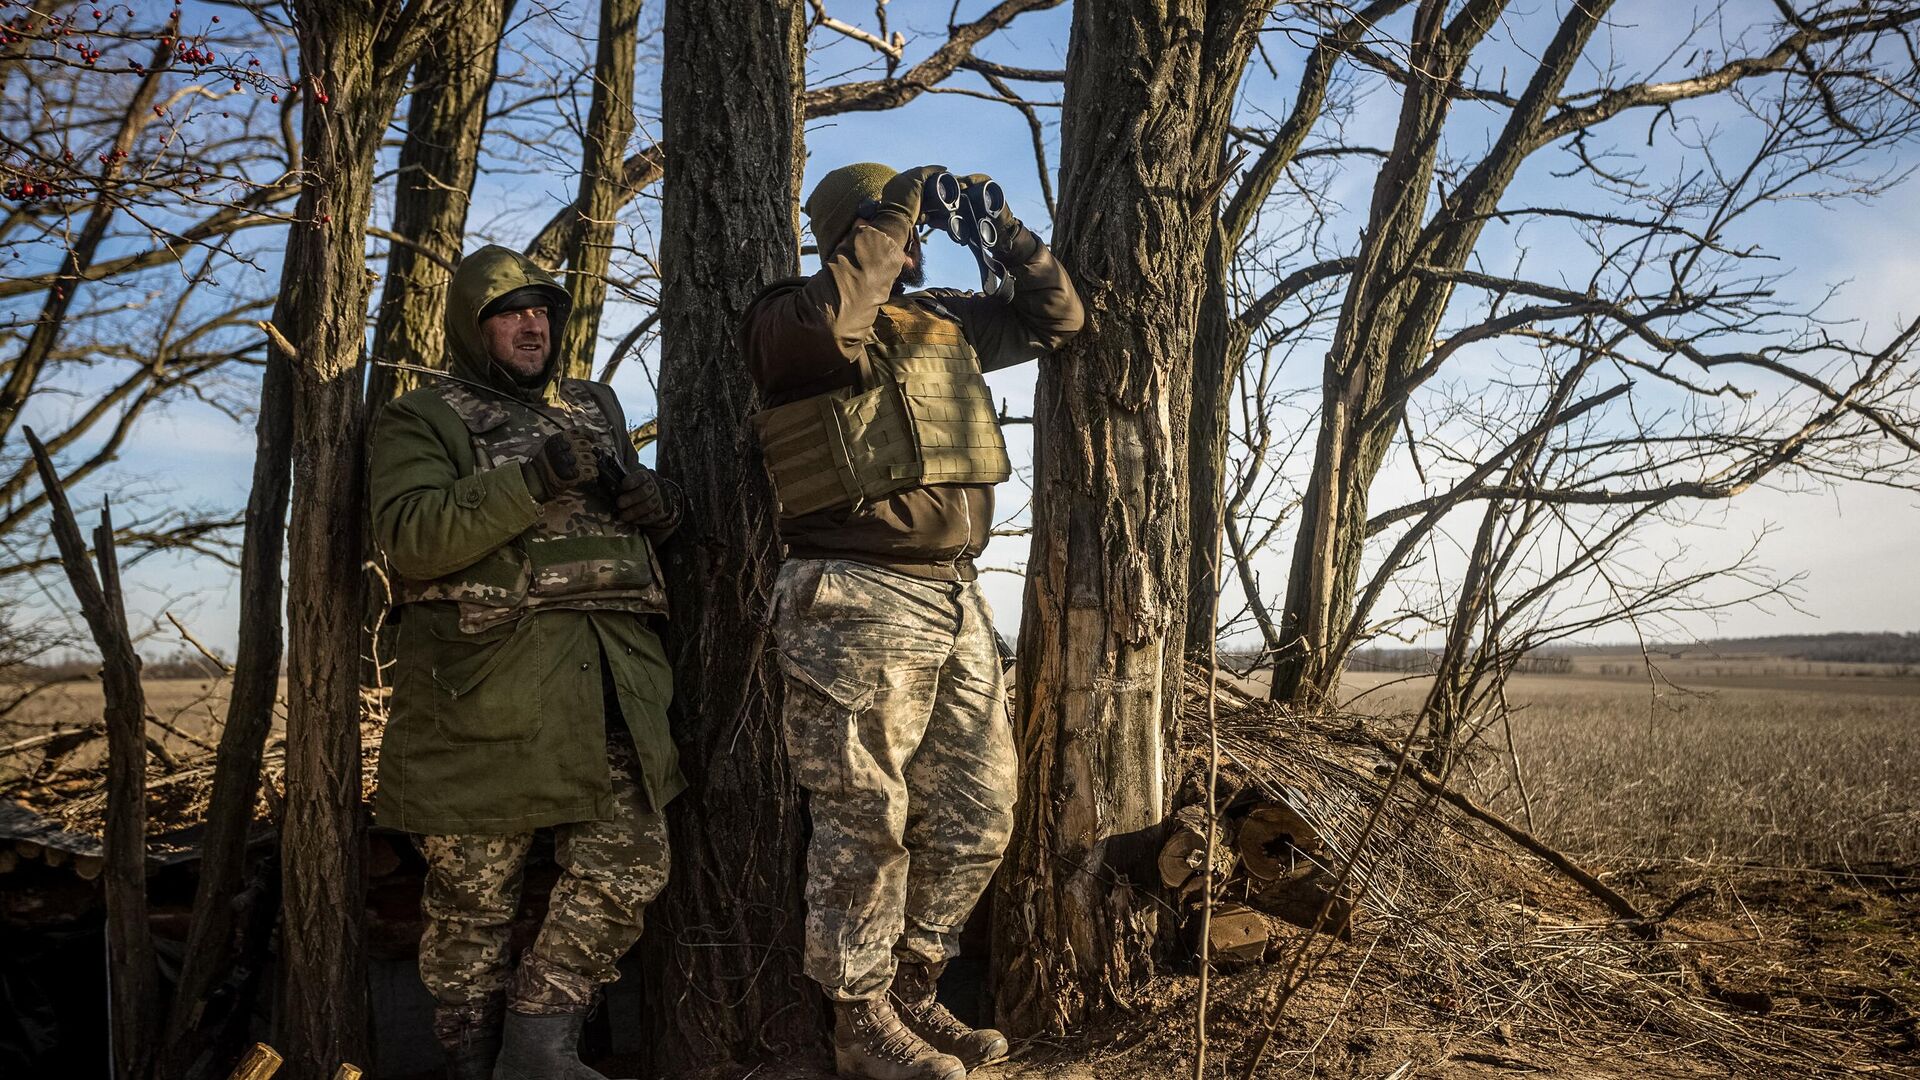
885	447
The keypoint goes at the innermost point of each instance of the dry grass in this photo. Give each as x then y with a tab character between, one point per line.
1796	772
194	710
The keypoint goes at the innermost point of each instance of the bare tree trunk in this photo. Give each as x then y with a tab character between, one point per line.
1220	344
603	187
446	117
1382	347
1224	334
1149	90
725	940
133	979
256	681
353	57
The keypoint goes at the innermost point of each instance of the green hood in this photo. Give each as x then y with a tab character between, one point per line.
483	277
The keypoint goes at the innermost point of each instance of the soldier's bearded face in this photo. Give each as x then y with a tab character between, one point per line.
518	341
914	273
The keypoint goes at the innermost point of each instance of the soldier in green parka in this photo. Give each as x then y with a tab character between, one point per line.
529	685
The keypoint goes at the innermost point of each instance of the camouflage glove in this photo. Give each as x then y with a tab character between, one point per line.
644	501
565	462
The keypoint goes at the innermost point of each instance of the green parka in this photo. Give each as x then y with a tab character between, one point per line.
500	729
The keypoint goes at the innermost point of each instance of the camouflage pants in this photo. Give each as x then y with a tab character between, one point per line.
609	871
896	724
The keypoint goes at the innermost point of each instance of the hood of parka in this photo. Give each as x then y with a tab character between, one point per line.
483	277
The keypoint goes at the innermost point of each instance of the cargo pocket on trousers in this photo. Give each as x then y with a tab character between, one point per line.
819	721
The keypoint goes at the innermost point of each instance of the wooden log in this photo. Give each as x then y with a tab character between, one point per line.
1237	934
1185	850
260	1063
347	1072
27	849
8	860
1298	900
89	866
58	856
1275	841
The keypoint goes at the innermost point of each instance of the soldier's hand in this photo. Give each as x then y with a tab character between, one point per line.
565	462
902	193
1004	221
642	500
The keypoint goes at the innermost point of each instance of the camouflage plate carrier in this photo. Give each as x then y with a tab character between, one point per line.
921	415
576	555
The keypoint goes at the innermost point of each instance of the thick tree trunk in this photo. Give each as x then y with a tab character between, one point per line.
603	187
1149	89
446	117
724	941
352	57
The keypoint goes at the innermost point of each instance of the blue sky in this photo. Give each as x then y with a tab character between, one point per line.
1852	543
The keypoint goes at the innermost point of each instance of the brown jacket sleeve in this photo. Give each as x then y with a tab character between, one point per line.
1045	310
805	336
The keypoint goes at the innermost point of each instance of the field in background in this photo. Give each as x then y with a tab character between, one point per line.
194	709
1701	765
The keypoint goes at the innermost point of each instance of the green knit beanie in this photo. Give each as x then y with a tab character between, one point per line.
830	209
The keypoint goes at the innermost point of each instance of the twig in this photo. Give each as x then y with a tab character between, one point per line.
179	734
187	635
38	741
1213	807
1615	902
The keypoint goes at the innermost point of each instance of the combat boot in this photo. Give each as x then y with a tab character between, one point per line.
543	1048
914	991
870	1043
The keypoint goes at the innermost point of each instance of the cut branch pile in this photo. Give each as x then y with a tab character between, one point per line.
1456	912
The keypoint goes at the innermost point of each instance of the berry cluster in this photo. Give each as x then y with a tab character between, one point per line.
27	191
189	53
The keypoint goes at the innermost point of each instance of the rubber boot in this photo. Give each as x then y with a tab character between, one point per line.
472	1057
914	993
469	1036
542	1048
870	1043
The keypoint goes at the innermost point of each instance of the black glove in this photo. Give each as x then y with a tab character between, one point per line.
644	501
565	462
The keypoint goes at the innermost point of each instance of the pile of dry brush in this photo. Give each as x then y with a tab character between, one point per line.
1452	921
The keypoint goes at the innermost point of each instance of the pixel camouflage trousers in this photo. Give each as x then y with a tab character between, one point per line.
609	871
896	724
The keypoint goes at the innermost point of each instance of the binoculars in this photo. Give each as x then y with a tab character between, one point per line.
967	213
